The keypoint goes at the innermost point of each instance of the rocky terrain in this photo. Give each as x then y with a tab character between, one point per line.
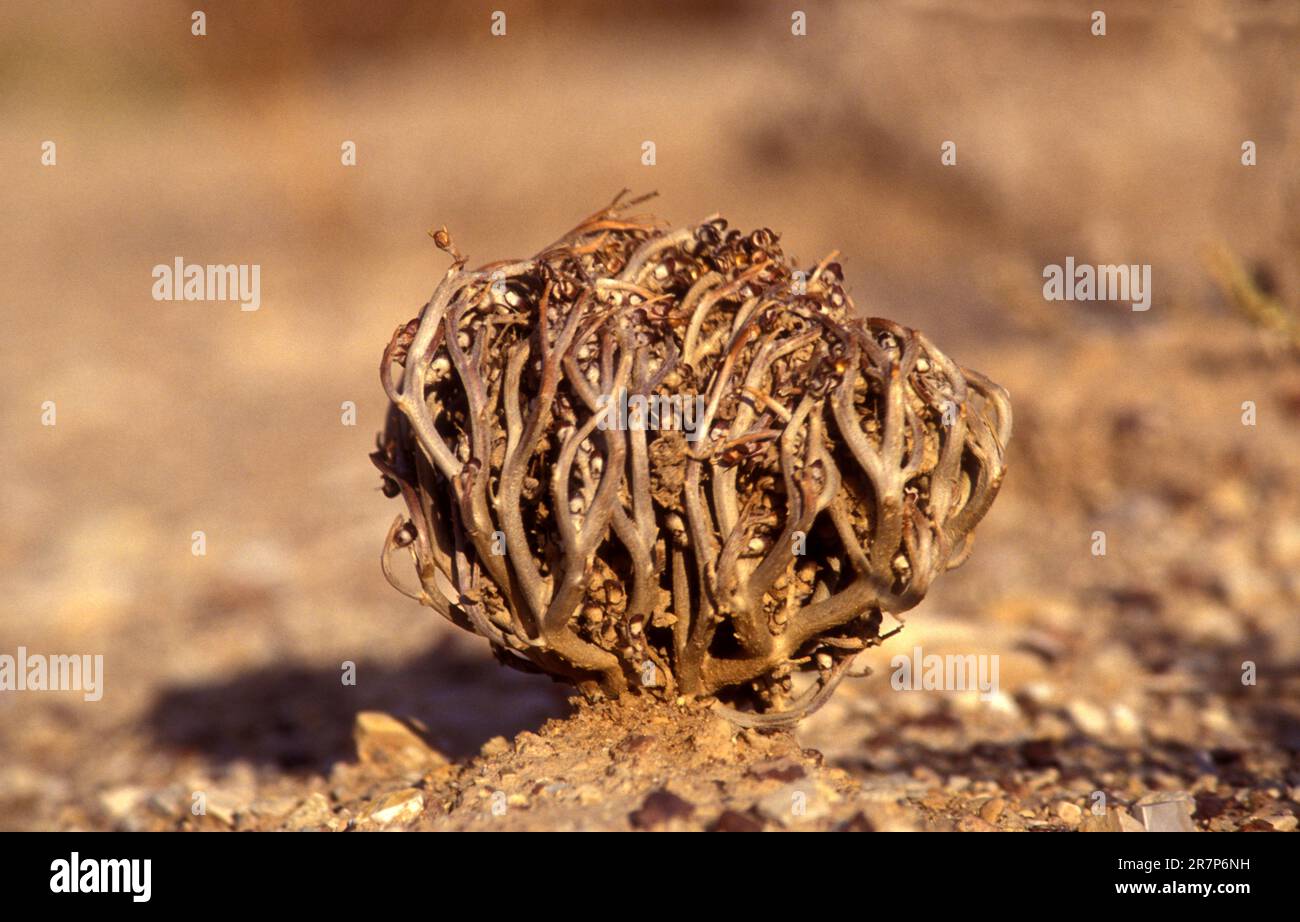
1119	674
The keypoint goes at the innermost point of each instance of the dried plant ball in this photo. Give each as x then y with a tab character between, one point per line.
673	463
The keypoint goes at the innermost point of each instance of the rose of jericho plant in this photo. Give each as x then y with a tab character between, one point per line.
840	463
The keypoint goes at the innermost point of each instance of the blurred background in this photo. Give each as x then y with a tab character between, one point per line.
174	417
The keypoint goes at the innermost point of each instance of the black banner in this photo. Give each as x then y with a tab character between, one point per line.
179	871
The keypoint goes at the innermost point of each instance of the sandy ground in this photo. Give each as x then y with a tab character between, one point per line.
1119	674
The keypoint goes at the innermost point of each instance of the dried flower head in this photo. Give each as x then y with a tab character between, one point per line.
673	463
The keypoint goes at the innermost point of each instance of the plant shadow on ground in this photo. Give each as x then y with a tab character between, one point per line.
300	718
